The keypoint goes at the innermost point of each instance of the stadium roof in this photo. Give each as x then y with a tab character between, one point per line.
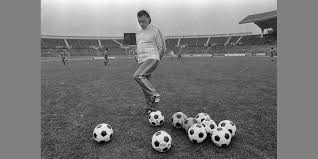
259	17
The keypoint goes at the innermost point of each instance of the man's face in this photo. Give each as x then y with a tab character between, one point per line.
143	21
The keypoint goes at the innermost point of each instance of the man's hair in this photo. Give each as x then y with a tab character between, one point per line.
144	13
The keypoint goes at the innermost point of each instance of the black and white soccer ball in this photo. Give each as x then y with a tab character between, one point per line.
221	137
209	125
156	118
197	133
201	117
229	125
177	119
161	141
188	122
103	133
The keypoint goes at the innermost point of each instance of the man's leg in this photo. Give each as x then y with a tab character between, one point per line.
142	77
63	60
149	100
105	63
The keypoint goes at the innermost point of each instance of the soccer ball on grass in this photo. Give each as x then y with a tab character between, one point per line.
178	119
161	141
197	133
103	133
156	118
221	137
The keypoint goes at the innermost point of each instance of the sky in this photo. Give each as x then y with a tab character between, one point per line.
112	18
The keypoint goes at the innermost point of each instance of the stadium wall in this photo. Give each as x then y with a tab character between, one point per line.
247	43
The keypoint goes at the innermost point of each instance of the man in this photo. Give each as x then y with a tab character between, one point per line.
213	49
271	53
208	50
150	49
106	56
63	55
179	53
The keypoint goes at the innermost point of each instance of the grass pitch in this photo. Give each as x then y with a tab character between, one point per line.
77	97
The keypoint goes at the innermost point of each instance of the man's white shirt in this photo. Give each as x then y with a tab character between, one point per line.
149	42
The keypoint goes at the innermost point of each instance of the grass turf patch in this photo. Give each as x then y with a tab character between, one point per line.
77	97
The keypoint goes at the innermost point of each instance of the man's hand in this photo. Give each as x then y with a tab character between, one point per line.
161	52
135	54
136	58
161	55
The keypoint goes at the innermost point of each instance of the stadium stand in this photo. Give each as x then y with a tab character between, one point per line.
233	39
219	41
252	40
120	40
171	42
201	41
110	43
82	47
225	43
52	43
86	43
43	44
267	20
191	42
74	43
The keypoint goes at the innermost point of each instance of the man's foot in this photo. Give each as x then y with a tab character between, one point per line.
148	110
155	99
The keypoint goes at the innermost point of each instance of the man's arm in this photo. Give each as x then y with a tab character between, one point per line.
160	43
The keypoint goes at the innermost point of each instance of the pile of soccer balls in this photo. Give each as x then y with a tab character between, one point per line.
198	128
